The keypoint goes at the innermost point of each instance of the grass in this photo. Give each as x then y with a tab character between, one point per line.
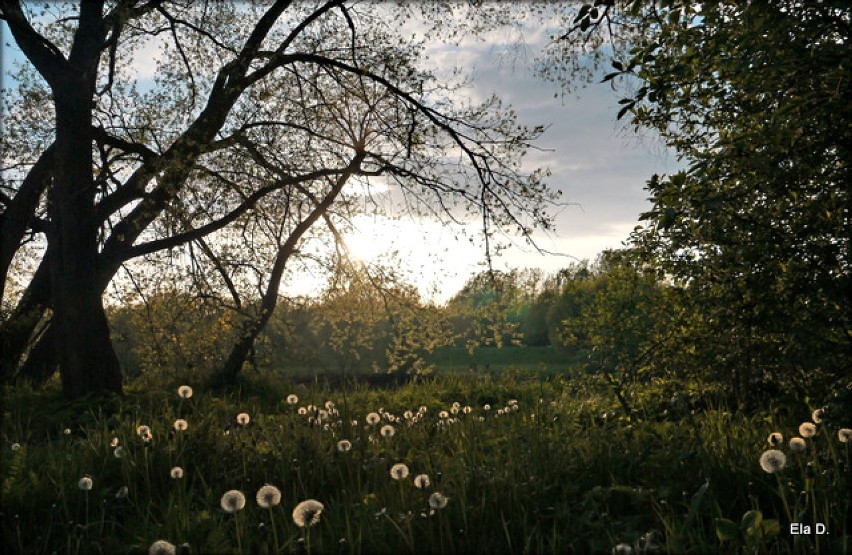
563	472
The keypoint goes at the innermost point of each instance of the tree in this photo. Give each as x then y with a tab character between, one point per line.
255	110
754	98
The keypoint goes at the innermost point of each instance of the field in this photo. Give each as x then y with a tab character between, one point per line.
536	460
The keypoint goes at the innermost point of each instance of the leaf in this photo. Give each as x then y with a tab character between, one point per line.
770	528
750	523
618	65
727	530
624	110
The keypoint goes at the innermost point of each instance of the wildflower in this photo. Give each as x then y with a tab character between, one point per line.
443	414
67	431
373	418
118	452
114	442
307	513
387	431
622	549
243	418
421	481
176	473
772	461
268	496
303	411
844	435
818	415
181	425
344	445
797	445
185	391
486	407
399	471
292	399
143	430
775	438
122	492
408	415
438	500
807	429
233	501
161	547
16	447
85	483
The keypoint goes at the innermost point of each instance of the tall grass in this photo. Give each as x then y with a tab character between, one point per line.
550	467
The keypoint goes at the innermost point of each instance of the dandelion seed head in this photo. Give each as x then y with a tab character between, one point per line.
243	418
797	445
422	409
344	445
118	452
67	431
438	500
85	483
292	399
454	410
775	438
302	411
329	405
399	471
233	501
467	410
408	415
161	547
268	496
844	435
185	392
307	513
807	429
373	418
622	549
122	492
421	481
388	431
772	461
16	447
143	430
181	425
113	442
443	414
818	415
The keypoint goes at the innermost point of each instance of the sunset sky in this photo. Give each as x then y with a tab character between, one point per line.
599	166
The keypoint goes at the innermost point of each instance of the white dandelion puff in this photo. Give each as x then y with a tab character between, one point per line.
373	418
438	500
118	452
243	418
180	425
772	461
113	442
67	431
344	445
161	547
292	399
467	410
807	429
399	471
775	438
307	513
443	414
176	473
844	435
797	445
85	483
818	415
143	430
388	431
233	501
421	481
185	392
122	492
486	407
408	415
303	411
622	549
16	447
268	496
329	405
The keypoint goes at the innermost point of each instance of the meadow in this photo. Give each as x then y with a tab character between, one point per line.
516	460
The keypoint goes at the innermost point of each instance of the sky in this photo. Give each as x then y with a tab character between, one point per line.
598	164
